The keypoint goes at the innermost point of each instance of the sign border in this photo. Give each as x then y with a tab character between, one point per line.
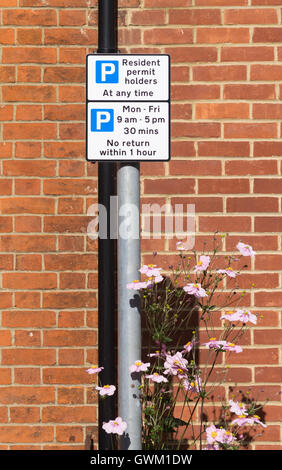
129	101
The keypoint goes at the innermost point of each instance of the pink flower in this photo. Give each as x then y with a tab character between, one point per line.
150	270
180	246
94	371
240	315
222	345
195	385
232	347
228	271
203	263
156	378
242	420
106	390
213	343
136	285
215	434
245	250
116	426
189	346
195	289
214	446
139	366
238	408
175	365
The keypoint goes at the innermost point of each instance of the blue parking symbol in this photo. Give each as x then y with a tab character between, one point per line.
102	120
107	71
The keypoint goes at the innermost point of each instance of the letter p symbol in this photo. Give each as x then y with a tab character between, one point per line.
107	71
102	120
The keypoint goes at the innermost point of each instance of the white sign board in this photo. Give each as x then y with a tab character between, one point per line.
128	107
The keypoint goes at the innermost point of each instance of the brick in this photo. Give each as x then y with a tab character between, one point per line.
223	149
28	262
268	337
183	149
250	130
273	224
74	131
5	338
28	224
223	35
72	281
265	242
29	319
71	357
148	17
267	111
27	300
27	243
168	36
192	53
193	129
69	186
29	17
222	110
249	92
5	376
271	35
12	434
252	204
28	149
22	414
195	168
70	205
194	92
68	18
69	414
181	111
29	113
268	299
224	224
27	186
71	243
70	396
58	36
266	72
268	374
251	16
64	74
29	93
169	186
267	186
64	149
64	376
219	73
30	281
28	131
254	356
30	168
68	112
71	168
247	54
72	55
195	17
27	338
18	55
32	205
267	149
70	338
28	356
77	299
69	434
29	73
6	150
221	2
179	74
66	224
71	319
69	262
253	167
223	186
6	113
7	36
71	94
268	262
6	224
6	262
29	36
267	280
167	3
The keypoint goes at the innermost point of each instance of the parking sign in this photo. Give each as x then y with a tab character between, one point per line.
128	107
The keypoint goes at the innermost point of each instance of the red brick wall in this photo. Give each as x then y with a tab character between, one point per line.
226	147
